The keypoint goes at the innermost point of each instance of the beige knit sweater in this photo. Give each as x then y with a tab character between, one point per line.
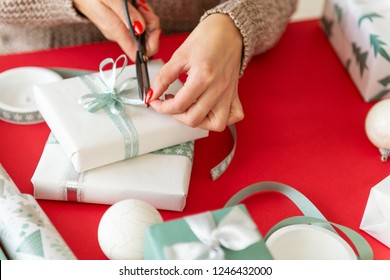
27	25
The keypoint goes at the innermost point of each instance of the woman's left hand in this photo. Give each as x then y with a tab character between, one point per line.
211	58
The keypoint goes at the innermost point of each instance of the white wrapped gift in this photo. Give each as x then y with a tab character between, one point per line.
93	139
376	217
160	178
358	30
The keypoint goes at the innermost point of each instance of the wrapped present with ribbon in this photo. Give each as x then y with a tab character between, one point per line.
99	119
25	230
56	179
222	234
376	217
309	236
230	233
358	31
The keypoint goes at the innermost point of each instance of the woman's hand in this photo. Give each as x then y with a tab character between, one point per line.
109	18
211	57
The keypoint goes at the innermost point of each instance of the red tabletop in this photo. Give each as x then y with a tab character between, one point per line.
303	126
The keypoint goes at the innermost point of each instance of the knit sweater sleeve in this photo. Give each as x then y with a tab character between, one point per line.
261	22
39	13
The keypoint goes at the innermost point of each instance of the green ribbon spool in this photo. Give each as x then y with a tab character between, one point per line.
311	215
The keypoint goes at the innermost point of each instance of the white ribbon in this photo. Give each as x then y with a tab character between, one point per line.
236	231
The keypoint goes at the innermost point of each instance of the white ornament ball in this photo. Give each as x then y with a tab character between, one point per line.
122	228
378	126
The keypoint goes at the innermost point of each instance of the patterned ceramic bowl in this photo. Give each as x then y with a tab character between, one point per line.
17	104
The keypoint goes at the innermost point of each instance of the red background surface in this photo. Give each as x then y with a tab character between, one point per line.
303	126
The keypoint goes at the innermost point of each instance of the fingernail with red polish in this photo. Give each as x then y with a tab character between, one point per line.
137	26
143	1
149	96
144	7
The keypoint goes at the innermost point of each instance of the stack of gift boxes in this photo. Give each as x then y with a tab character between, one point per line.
358	30
105	147
104	151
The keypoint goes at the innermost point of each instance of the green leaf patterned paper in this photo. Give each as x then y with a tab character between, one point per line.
378	47
32	245
327	26
2	255
385	81
379	95
369	17
358	32
4	174
339	13
361	58
27	233
7	186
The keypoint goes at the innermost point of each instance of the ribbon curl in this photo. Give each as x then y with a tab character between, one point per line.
111	97
236	231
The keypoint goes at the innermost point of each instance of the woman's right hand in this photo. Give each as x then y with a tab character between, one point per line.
109	18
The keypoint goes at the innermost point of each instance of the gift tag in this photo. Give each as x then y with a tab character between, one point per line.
17	104
308	242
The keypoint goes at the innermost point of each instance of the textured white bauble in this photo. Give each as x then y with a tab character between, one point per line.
122	228
378	126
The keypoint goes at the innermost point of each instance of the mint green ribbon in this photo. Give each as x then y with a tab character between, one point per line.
111	99
112	96
221	167
312	214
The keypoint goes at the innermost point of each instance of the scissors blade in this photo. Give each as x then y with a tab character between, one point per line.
142	76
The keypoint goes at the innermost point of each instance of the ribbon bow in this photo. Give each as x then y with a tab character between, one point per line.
112	97
236	231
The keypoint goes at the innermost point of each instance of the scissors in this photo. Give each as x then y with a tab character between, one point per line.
141	58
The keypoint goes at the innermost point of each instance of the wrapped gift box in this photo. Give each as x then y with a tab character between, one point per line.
376	217
108	135
228	233
358	31
160	178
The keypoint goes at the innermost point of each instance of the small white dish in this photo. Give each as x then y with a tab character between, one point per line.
308	242
17	104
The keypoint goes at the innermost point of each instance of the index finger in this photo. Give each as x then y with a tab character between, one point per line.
123	35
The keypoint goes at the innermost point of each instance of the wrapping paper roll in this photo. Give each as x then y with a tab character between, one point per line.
2	255
25	230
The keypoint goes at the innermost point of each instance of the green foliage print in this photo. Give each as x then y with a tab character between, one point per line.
378	47
370	17
327	26
361	58
339	12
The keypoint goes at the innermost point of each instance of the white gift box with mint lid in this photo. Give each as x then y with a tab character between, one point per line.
358	30
160	178
98	118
